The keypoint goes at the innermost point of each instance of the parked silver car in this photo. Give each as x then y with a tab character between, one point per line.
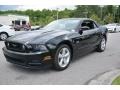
113	27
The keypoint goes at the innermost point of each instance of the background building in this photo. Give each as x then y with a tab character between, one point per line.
14	19
18	22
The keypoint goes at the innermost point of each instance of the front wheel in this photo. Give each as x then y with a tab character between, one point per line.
3	36
102	46
62	57
115	30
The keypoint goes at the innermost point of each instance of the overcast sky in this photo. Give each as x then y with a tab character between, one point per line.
34	7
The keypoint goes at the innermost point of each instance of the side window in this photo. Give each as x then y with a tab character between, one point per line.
88	24
1	25
95	26
118	24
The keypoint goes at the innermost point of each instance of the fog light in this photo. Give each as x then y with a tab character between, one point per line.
47	58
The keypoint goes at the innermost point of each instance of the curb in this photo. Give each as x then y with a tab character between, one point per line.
105	78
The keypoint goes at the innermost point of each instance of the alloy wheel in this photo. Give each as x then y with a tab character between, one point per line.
64	57
3	36
103	44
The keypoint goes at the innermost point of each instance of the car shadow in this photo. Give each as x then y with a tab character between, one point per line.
83	55
28	70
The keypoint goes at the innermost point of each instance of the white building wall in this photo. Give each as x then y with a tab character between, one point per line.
7	19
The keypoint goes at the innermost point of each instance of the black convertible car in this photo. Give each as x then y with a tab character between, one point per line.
56	44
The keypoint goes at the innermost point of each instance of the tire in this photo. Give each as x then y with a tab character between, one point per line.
3	36
62	57
115	30
102	46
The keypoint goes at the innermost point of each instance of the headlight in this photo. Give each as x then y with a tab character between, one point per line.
38	47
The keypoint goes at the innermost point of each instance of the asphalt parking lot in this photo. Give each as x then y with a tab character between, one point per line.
79	72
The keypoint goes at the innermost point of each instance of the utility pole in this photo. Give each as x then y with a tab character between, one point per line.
117	13
101	6
57	13
115	10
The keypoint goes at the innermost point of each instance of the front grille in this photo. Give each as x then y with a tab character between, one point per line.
15	47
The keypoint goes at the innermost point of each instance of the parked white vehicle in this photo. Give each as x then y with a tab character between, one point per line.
113	27
6	31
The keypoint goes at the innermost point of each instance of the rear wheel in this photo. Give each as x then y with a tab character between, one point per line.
62	57
102	46
3	36
115	30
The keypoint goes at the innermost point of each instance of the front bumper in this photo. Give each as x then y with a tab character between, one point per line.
28	60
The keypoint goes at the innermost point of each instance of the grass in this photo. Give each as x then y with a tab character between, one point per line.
116	81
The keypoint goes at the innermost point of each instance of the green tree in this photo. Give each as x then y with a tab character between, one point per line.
96	18
110	13
108	19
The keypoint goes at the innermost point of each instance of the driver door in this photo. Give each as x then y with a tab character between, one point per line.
89	36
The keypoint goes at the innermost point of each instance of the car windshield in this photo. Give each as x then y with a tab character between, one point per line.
62	25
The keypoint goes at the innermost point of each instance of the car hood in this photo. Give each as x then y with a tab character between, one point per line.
110	26
39	36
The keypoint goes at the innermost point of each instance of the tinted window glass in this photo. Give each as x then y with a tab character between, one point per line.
1	25
88	24
95	26
118	24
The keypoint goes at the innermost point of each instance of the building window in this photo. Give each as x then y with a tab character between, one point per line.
17	22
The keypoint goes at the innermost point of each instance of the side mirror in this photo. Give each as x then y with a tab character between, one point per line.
80	31
83	29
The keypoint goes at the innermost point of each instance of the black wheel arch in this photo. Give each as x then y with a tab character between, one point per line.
104	35
104	31
4	33
67	42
